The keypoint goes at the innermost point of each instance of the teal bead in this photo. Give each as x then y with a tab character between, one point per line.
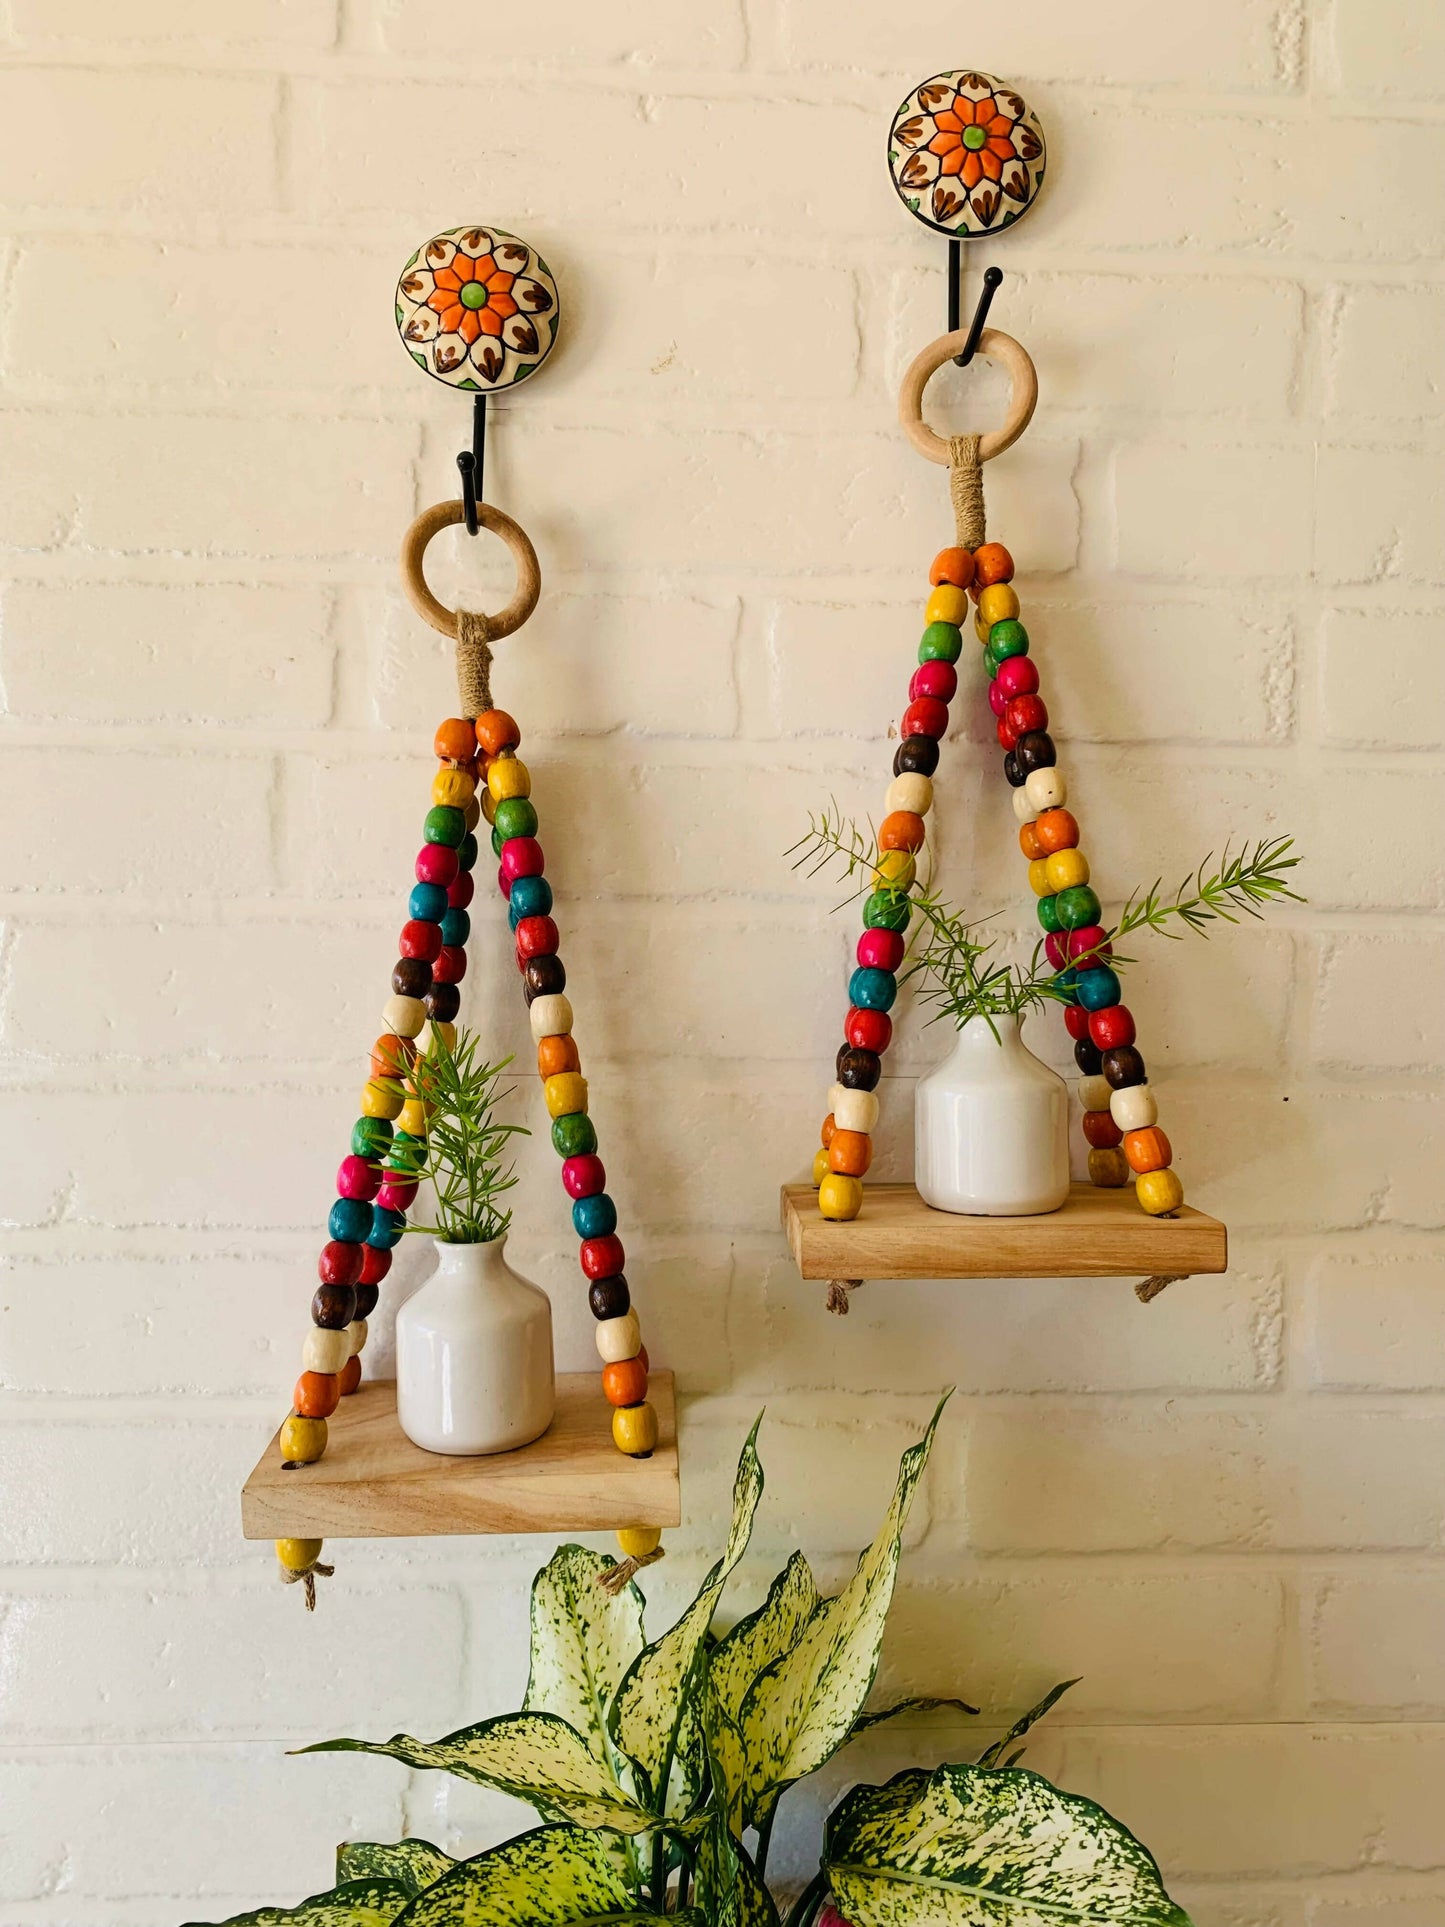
467	852
1007	639
887	910
515	817
573	1135
531	897
1067	981
456	927
427	903
1078	907
942	642
370	1137
1099	989
870	989
350	1220
386	1227
1048	909
444	825
594	1217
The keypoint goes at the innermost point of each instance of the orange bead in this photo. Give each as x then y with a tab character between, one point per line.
901	830
455	740
497	731
1147	1149
992	563
1056	830
392	1056
625	1383
1029	843
557	1054
317	1394
952	565
850	1153
350	1376
829	1127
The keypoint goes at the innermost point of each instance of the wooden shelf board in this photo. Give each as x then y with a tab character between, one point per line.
1096	1234
373	1483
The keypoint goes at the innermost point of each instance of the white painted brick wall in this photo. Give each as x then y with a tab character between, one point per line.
1225	1511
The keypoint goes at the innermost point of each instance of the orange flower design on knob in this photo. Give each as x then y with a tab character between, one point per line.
966	154
477	308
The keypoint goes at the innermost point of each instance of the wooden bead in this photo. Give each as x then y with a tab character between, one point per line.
901	830
1012	774
850	1153
1023	713
1056	950
1086	1054
1095	1093
543	977
1046	788
880	950
1134	1108
619	1338
350	1377
1035	750
1029	843
573	1135
391	1056
557	1054
302	1440
1112	1027
1039	878
508	777
340	1261
435	863
634	1430
992	563
316	1395
859	1070
496	732
915	755
333	1307
411	977
453	788
820	1167
472	812
404	1015
625	1383
375	1265
1123	1067
894	870
455	740
947	604
583	1177
926	716
444	826
1015	675
594	1217
397	1194
1089	946
1148	1150
536	937
829	1127
840	1198
357	1178
938	679
869	1029
608	1297
1108	1169
855	1110
1024	810
514	818
298	1555
637	1542
324	1350
1077	906
872	989
887	910
349	1220
1159	1192
1101	1131
909	792
952	565
601	1257
998	603
382	1097
1058	829
443	1001
1067	869
1003	642
550	1017
356	1335
940	642
1076	1023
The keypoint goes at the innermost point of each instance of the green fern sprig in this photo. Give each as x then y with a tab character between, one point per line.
465	1156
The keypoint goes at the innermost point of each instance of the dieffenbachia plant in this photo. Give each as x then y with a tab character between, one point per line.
657	1769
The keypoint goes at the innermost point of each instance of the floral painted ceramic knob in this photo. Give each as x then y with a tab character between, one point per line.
477	308
966	154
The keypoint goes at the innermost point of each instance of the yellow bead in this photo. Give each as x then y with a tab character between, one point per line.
1066	869
302	1440
1158	1192
489	808
471	812
1039	877
412	1117
840	1198
820	1167
947	604
565	1092
453	789
998	603
508	778
895	870
382	1097
637	1541
1109	1169
634	1429
298	1555
439	1028
980	627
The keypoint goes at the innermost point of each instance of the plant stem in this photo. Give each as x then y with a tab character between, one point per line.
684	1882
659	1871
765	1838
808	1902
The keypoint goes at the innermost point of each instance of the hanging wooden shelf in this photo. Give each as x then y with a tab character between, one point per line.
1097	1234
374	1483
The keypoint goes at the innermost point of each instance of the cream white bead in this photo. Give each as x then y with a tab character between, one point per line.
1133	1108
355	1336
1095	1093
551	1016
910	791
619	1338
855	1110
1045	789
324	1351
1023	808
404	1015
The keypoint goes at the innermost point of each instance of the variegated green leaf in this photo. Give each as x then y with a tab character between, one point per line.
741	1655
414	1864
993	1755
356	1903
551	1877
925	1704
533	1756
730	1891
583	1641
646	1711
970	1846
802	1708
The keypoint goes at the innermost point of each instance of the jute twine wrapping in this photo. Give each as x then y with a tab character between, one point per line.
625	1571
1150	1288
838	1290
307	1581
474	663
965	485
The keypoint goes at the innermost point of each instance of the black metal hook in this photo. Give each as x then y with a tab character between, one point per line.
472	463
991	279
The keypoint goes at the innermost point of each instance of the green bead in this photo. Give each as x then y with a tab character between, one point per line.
942	642
467	852
1078	907
515	817
1048	908
497	841
573	1135
887	910
444	825
370	1137
408	1153
1007	639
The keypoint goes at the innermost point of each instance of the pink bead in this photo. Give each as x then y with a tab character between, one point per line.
1091	937
397	1194
938	679
435	863
1056	949
880	949
356	1179
1016	676
998	699
583	1177
522	857
504	882
459	892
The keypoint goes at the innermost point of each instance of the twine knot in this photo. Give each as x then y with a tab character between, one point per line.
1150	1288
626	1570
838	1290
307	1581
965	485
474	663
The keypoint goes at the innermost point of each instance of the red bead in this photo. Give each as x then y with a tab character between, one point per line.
601	1257
1113	1028
998	698
1007	737
522	857
450	966
1025	713
418	939
356	1178
316	1394
584	1176
938	679
435	863
340	1264
869	1030
926	717
1076	1022
375	1264
1056	949
397	1194
1101	1133
350	1375
504	882
461	889
1092	938
1018	676
881	949
536	937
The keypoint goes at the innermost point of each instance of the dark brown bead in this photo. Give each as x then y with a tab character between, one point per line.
859	1070
412	977
1013	775
1088	1058
916	756
334	1307
366	1297
443	1001
609	1297
1123	1067
1035	750
542	976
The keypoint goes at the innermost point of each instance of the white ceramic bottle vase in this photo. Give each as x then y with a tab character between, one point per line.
474	1356
991	1127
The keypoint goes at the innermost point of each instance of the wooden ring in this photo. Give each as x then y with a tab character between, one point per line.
1023	398
431	522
